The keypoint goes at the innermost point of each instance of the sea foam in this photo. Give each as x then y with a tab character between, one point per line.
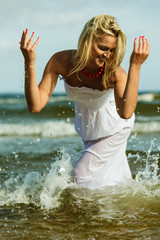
63	128
41	129
42	190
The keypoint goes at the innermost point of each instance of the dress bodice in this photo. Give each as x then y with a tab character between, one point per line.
96	114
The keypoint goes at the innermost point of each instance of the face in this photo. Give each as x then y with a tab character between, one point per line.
103	49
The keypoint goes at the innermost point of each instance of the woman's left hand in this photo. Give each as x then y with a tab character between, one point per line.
141	52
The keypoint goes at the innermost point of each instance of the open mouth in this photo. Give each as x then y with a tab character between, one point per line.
102	59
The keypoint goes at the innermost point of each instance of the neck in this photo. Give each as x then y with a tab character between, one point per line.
91	74
92	67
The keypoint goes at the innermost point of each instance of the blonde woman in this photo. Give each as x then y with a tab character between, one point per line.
105	96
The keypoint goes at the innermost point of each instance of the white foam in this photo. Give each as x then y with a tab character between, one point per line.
63	128
146	127
58	179
43	191
43	129
18	100
146	97
59	99
12	101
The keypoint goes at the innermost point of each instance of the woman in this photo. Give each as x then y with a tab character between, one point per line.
105	97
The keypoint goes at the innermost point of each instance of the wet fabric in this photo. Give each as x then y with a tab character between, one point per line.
103	162
96	114
104	133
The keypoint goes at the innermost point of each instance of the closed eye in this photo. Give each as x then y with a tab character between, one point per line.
104	48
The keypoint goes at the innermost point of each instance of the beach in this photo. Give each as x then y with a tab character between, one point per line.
38	199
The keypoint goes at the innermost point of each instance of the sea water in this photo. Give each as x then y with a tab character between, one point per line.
38	199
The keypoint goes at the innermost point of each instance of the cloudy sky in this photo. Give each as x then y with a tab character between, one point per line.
59	23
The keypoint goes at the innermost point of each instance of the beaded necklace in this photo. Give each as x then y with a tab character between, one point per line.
100	71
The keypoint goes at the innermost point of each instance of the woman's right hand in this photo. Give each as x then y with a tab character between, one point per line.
28	50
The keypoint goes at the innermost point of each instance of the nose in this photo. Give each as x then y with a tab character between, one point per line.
107	54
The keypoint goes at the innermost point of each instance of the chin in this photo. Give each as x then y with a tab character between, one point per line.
100	63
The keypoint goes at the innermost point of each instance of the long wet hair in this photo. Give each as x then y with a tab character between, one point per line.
95	28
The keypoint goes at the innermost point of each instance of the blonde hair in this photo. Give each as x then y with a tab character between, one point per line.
94	29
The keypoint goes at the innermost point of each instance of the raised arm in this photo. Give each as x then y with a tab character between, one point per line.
126	87
37	96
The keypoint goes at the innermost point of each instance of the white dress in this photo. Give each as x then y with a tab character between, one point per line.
104	134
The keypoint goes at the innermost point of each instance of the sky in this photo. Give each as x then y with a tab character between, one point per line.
59	24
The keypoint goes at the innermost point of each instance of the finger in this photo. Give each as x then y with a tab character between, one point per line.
35	44
30	40
135	45
22	38
140	44
143	44
25	37
147	47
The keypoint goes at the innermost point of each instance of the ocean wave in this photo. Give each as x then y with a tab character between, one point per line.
142	118
146	127
61	206
12	101
63	128
20	98
16	99
43	190
47	190
148	97
41	129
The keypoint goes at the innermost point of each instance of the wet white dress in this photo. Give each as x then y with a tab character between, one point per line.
104	133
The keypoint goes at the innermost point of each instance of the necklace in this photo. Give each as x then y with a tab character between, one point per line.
100	71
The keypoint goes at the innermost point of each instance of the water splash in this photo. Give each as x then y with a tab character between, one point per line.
151	170
38	189
46	190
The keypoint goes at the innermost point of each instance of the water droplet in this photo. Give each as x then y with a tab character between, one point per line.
68	120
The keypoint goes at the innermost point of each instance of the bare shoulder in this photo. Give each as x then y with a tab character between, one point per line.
121	75
64	56
60	62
